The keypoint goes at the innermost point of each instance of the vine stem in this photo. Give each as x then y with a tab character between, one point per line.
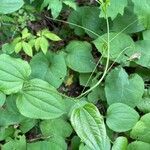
107	62
76	25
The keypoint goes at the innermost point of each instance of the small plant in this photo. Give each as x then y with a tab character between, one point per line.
27	41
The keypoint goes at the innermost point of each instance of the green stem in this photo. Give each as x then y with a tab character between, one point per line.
107	62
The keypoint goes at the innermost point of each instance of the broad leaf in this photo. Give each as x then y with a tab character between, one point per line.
122	88
88	18
90	127
141	8
79	57
144	105
146	35
50	67
128	22
75	142
114	8
54	5
50	35
121	117
19	143
39	100
27	48
7	6
143	49
120	45
141	130
2	98
70	3
56	127
53	143
120	143
44	44
8	118
13	73
6	132
138	145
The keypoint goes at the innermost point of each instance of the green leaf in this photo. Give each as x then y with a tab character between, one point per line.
50	35
50	67
89	125
44	44
27	124
56	127
141	8
141	130
84	147
6	132
27	48
13	73
138	145
8	48
55	6
146	35
144	105
79	57
121	117
37	43
25	33
18	47
10	114
120	45
120	143
88	18
128	23
40	100
8	118
70	3
120	87
142	48
75	142
53	143
8	7
19	143
114	8
83	78
2	98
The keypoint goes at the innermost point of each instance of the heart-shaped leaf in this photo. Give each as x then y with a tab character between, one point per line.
79	57
122	88
141	130
50	67
90	127
13	73
39	100
121	117
7	6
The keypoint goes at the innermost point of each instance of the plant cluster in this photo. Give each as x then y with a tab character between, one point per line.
80	80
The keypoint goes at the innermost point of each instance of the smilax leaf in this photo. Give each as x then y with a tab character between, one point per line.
141	130
2	98
79	57
122	88
50	67
39	100
13	73
120	143
90	127
120	45
138	145
121	117
56	127
7	6
114	8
